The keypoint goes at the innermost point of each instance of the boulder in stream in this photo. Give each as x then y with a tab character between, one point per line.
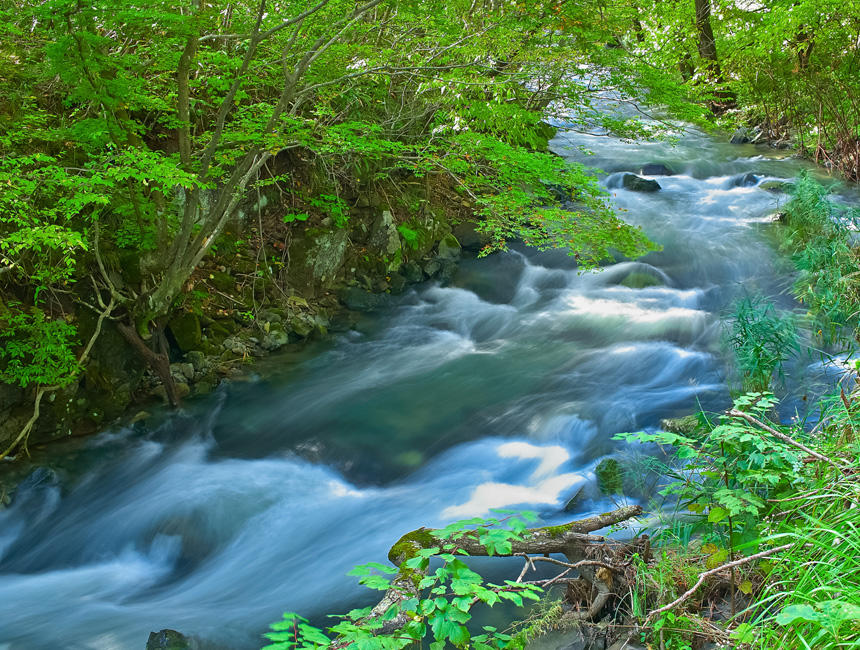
636	183
744	180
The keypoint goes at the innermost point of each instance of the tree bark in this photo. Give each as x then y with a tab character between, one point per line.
159	361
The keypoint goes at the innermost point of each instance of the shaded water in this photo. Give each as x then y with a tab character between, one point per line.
502	389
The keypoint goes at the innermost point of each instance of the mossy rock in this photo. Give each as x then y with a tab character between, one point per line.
639	280
449	247
776	187
186	331
168	640
685	425
610	476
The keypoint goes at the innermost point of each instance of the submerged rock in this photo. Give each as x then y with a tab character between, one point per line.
744	180
636	183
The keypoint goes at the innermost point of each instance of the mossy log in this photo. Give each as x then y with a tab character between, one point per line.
573	540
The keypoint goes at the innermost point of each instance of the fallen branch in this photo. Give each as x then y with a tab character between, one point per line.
704	576
781	436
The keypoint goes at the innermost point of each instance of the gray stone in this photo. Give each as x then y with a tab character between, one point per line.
300	324
636	183
397	283
412	272
275	339
385	237
469	237
360	300
741	136
432	267
197	359
449	248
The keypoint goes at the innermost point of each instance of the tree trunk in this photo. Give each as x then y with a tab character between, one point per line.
158	361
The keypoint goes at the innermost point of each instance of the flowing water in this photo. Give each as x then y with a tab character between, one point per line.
502	389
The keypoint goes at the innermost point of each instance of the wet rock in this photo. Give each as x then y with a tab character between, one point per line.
447	270
636	183
237	346
744	180
359	299
656	169
469	237
184	369
169	640
397	283
182	390
385	237
197	360
741	136
776	187
301	324
640	280
275	339
432	268
449	248
186	331
412	272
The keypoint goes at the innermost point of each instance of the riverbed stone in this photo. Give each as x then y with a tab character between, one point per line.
636	183
469	237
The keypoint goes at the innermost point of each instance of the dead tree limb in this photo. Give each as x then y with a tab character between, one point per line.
573	540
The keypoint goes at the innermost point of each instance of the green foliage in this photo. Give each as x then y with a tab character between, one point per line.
748	491
436	604
36	349
820	237
761	339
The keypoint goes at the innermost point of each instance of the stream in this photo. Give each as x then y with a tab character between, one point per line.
502	389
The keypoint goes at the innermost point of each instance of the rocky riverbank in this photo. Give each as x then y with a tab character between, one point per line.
297	278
